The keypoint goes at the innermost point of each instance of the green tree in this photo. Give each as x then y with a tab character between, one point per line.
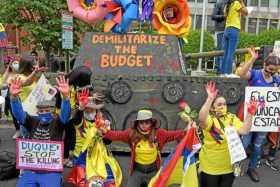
42	21
193	45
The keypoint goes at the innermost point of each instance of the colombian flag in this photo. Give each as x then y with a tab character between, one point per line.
3	36
179	167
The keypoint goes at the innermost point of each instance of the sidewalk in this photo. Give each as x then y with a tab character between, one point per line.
269	178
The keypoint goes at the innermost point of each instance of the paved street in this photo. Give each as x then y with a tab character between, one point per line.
269	178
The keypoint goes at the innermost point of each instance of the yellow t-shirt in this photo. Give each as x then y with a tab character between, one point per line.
214	157
144	153
234	16
83	133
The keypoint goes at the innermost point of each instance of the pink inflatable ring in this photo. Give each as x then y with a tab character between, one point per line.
89	11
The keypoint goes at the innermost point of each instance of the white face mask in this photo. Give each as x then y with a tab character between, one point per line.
15	66
89	116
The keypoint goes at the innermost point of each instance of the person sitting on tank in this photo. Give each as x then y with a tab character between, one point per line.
146	140
45	126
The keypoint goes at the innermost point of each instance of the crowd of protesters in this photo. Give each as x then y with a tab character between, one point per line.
87	131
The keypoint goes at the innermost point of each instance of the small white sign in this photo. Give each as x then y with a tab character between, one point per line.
67	31
42	91
39	155
276	49
267	117
235	146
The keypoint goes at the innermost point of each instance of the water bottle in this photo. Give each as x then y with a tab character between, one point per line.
237	169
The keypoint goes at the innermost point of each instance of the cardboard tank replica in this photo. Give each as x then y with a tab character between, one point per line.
142	70
146	71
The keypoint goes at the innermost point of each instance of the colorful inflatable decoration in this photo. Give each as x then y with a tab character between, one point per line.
172	17
146	9
89	11
121	14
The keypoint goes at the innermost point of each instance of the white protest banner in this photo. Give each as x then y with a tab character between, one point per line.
42	91
267	117
276	49
235	146
39	155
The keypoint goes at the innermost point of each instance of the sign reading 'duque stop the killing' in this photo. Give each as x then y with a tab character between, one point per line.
39	155
130	54
267	117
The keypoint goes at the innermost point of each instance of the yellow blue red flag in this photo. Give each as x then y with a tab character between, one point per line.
3	36
180	166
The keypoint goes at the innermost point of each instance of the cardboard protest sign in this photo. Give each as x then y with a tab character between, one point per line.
130	54
235	146
276	49
39	155
42	91
267	117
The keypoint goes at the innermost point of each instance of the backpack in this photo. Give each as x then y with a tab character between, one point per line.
8	166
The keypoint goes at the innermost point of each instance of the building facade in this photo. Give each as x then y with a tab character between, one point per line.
264	16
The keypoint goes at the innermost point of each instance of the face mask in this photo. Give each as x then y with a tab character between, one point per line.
89	116
45	117
15	66
221	111
142	131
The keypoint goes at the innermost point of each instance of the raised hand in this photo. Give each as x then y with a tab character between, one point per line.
211	90
38	69
98	96
253	107
83	97
15	86
253	53
63	86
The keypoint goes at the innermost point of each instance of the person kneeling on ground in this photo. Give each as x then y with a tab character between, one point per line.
44	127
145	140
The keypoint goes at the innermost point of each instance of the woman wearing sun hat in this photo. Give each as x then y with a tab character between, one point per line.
145	140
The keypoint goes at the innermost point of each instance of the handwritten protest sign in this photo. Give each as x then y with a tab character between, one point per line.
276	49
39	155
236	149
130	54
42	91
267	117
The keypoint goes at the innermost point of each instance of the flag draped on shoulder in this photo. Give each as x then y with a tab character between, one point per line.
95	165
180	166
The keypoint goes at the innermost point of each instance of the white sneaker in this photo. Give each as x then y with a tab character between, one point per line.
231	76
16	135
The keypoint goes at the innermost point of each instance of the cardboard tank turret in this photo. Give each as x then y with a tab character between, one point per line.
147	71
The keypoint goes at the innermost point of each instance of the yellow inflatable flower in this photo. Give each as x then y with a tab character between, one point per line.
172	17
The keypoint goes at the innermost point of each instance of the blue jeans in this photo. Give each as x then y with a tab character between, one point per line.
34	179
230	42
219	59
258	139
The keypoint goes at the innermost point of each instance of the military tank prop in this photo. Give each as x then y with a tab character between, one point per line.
147	71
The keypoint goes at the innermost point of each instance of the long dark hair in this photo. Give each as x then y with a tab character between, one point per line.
227	5
136	136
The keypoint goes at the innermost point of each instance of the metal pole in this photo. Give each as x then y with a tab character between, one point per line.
199	71
202	34
1	59
67	62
